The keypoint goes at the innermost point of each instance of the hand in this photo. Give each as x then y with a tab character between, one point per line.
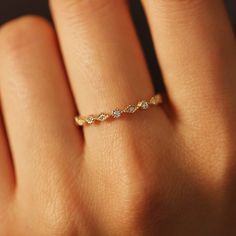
169	170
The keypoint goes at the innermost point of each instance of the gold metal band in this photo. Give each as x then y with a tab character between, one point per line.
117	113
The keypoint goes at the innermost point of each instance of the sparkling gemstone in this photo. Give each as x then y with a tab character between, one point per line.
144	105
116	113
155	100
102	117
90	119
131	109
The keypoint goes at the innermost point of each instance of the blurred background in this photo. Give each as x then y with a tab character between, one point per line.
13	8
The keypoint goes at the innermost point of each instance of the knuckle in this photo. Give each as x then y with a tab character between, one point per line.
56	208
20	33
130	199
182	2
134	206
81	7
186	8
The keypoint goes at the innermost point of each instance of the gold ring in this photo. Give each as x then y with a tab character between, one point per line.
117	113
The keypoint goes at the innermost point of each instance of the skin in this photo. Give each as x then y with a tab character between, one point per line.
166	171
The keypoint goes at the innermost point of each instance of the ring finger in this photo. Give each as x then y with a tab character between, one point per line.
102	54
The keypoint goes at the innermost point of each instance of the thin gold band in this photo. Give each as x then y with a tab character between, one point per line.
117	113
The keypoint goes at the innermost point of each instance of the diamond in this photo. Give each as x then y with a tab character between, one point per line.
90	119
116	113
143	104
131	109
155	100
102	117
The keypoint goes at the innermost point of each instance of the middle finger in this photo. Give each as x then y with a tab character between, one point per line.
104	60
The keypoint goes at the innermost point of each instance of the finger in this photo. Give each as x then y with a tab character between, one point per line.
37	103
7	177
196	49
103	56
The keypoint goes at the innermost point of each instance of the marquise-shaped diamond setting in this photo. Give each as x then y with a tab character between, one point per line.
102	117
117	113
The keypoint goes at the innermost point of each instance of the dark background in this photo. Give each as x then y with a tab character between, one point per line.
13	8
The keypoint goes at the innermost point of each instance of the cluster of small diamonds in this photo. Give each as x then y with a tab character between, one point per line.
117	113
